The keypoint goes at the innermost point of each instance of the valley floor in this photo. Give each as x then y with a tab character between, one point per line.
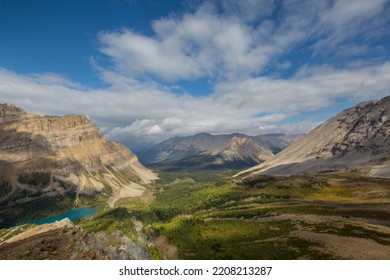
209	215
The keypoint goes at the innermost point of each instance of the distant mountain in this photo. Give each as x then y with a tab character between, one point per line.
46	156
215	151
357	137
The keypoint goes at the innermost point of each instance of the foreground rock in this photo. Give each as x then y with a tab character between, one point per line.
63	240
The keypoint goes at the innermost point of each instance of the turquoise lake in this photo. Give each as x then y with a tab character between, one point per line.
73	215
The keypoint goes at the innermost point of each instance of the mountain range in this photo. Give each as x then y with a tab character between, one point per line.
215	151
355	138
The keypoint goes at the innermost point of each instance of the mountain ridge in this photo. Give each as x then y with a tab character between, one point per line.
235	147
356	137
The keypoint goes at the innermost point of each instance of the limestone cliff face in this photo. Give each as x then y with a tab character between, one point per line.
46	154
357	137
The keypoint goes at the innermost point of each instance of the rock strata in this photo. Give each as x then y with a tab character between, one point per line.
47	155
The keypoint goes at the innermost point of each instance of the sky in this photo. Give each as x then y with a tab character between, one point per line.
145	71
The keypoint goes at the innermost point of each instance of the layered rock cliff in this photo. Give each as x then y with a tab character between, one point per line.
47	155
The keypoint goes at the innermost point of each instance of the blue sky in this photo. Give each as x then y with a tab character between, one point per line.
148	70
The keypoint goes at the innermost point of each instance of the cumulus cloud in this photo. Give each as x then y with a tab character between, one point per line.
141	112
230	39
202	44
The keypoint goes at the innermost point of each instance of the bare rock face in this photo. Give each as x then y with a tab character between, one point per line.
357	137
46	155
10	110
64	241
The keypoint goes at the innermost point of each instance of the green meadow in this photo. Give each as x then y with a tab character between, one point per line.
208	215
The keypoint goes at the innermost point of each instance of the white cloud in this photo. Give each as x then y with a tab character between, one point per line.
143	127
343	12
241	38
349	22
139	54
202	44
142	112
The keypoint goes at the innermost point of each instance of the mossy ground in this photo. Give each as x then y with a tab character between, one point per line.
110	221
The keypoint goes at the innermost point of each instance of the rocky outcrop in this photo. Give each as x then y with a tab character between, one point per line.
10	110
64	241
357	137
46	155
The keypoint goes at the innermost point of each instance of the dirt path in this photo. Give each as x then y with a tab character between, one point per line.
170	251
341	247
351	248
142	238
313	218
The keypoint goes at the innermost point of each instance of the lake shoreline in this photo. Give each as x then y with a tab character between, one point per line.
73	215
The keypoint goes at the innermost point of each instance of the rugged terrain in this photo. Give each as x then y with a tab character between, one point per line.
215	151
63	240
355	138
48	156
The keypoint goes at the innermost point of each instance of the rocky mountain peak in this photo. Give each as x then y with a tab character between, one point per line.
234	150
10	110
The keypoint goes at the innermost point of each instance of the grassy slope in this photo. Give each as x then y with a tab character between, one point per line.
223	219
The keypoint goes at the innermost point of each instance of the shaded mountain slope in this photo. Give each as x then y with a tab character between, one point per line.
357	137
